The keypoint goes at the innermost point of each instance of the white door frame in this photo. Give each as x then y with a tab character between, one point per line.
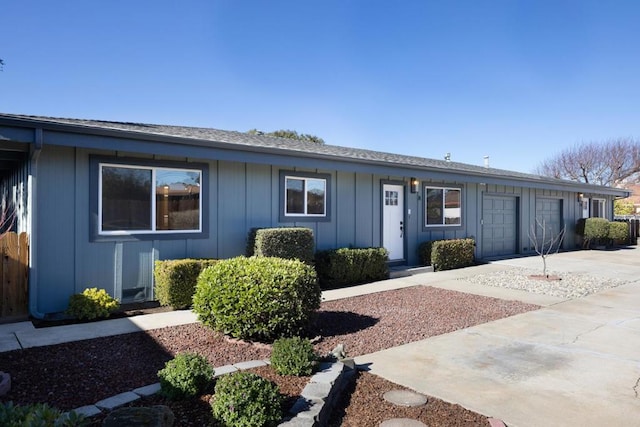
393	221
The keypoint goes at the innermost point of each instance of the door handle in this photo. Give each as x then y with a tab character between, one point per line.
401	229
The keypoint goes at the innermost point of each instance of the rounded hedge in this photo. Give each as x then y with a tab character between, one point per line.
257	298
186	375
619	231
293	356
245	399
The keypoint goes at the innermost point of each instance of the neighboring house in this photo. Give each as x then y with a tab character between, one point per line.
102	201
634	197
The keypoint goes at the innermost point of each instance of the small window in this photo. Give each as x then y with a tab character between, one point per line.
597	208
305	196
443	206
391	198
142	199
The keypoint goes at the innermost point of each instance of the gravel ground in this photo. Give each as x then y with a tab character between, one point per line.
367	392
563	285
80	373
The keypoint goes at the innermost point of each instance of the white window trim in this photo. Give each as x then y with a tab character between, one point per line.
426	188
305	214
153	230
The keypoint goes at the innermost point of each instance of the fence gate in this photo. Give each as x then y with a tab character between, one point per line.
14	270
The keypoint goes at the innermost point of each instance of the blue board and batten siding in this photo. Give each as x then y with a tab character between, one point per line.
242	196
243	189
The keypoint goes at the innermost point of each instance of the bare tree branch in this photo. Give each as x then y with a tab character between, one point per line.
545	244
610	163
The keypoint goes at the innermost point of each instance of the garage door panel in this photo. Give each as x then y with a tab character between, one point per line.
499	218
549	211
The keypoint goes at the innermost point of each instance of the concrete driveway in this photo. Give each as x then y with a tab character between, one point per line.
571	363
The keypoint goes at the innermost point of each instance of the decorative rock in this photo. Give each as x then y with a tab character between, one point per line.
313	412
148	390
223	370
339	352
402	422
299	422
571	285
5	383
155	416
494	422
328	374
349	363
250	364
118	400
405	398
88	410
316	391
301	404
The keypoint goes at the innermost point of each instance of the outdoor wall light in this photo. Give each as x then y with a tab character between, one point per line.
580	197
414	185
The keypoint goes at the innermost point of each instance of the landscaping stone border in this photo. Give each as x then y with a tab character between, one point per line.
312	409
319	397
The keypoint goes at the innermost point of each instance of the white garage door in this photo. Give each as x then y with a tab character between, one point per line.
499	221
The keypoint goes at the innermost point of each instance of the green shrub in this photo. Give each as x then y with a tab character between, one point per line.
451	254
293	356
424	253
619	232
92	303
175	280
348	266
251	241
38	414
287	243
186	375
258	298
244	399
596	230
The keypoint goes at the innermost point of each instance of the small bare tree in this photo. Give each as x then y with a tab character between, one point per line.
547	243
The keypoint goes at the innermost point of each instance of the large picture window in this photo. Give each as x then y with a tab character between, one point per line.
443	206
145	199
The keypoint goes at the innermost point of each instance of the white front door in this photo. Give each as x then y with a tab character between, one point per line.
585	208
393	220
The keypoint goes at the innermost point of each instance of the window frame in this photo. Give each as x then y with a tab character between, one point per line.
602	207
97	163
284	216
425	189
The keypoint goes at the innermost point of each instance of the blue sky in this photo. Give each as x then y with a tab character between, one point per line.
515	80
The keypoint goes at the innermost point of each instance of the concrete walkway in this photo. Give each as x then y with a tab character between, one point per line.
15	336
572	363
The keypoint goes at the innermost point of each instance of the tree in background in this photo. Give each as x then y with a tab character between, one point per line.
610	163
623	207
1	64
289	134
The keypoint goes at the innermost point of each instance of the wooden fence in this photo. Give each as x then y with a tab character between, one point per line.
14	270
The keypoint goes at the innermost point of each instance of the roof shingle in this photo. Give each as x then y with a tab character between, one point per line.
305	148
